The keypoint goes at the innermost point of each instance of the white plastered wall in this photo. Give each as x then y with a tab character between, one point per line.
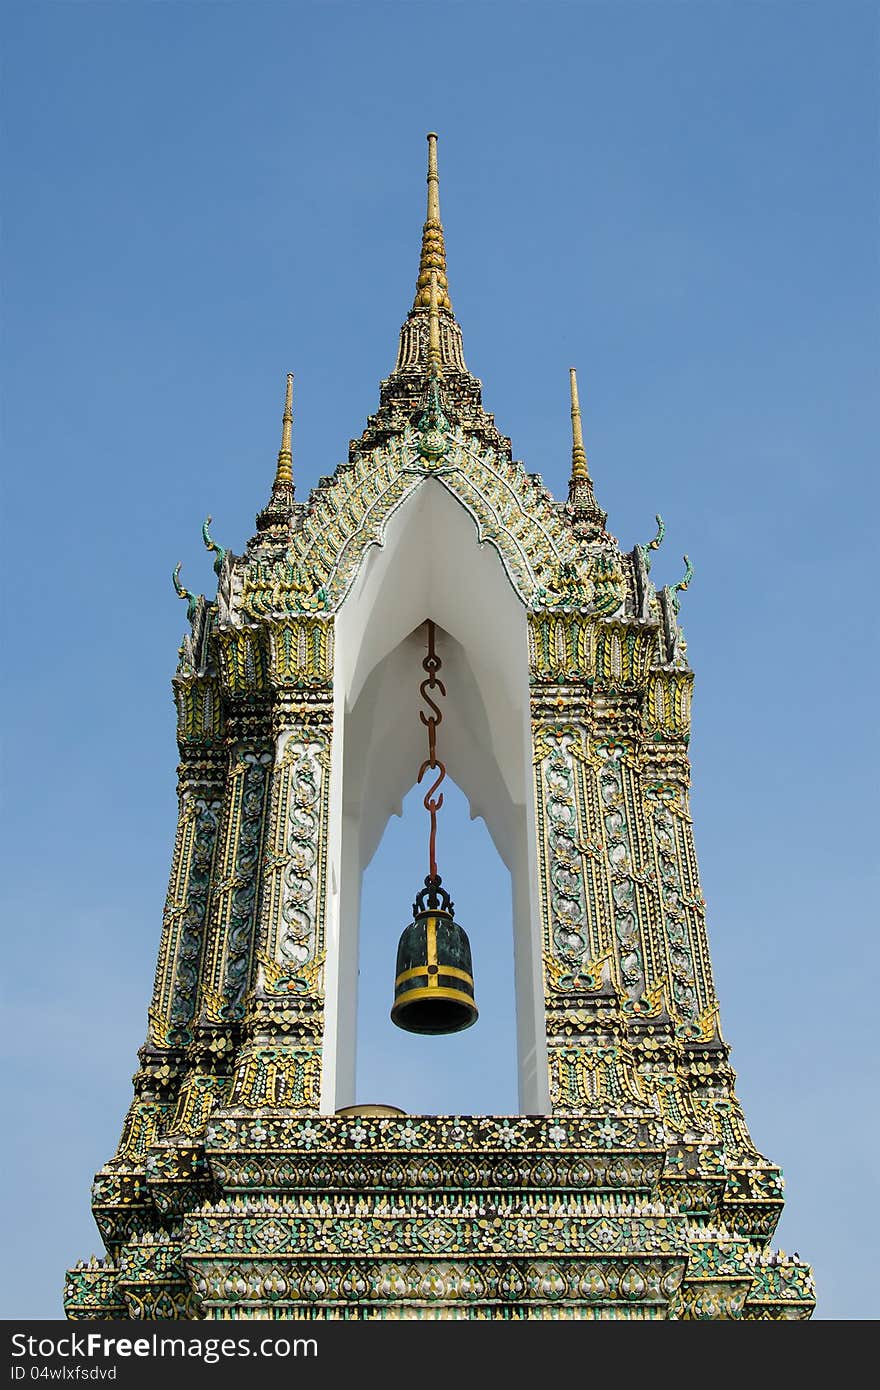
430	566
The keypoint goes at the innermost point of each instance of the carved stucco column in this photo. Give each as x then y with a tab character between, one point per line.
279	1063
122	1203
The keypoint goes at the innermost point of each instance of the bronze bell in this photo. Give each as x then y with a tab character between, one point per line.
434	984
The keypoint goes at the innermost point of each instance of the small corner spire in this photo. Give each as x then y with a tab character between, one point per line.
581	498
277	515
284	471
579	470
433	257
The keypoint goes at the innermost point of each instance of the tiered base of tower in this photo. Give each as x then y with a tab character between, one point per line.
490	1217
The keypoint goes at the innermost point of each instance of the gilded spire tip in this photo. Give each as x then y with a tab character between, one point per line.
275	518
284	472
591	518
433	257
433	180
579	471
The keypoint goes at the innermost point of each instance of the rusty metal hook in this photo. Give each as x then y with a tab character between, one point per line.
432	665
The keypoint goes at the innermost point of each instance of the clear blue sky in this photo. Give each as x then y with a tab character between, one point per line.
680	199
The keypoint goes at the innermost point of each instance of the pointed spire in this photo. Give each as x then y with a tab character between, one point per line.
581	498
579	470
433	257
284	471
430	347
278	514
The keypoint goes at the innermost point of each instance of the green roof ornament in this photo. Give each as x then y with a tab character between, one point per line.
192	601
682	584
655	544
212	545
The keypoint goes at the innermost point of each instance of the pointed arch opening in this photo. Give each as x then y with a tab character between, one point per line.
471	1072
431	565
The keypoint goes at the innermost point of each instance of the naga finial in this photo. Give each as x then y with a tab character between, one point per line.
192	601
212	545
655	543
682	584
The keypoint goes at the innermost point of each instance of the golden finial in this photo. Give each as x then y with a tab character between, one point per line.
433	179
589	518
284	472
434	357
433	258
579	471
276	515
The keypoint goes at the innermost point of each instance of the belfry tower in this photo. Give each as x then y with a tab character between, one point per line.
247	1184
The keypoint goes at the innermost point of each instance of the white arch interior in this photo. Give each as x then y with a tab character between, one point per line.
431	565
